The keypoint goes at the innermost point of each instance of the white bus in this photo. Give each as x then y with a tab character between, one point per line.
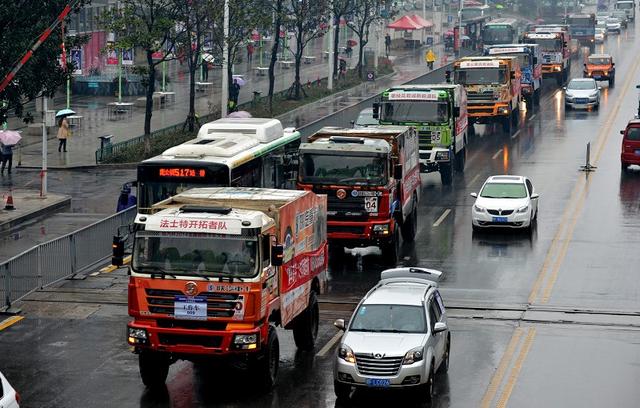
629	7
232	152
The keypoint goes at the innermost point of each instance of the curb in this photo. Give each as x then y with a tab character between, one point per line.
54	207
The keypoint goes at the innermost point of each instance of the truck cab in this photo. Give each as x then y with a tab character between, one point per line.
629	7
493	89
531	65
554	48
601	68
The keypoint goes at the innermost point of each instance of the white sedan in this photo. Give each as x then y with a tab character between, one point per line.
506	202
582	93
9	398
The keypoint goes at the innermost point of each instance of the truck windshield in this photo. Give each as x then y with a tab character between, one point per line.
484	76
190	254
499	34
343	169
624	6
581	21
547	44
414	111
390	319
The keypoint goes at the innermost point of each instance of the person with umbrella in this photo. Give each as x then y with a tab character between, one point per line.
63	128
8	139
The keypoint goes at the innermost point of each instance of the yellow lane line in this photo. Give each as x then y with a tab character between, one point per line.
108	269
10	322
496	380
327	347
517	366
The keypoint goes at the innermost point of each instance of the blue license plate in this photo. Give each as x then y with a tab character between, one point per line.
597	77
581	100
499	219
378	382
637	152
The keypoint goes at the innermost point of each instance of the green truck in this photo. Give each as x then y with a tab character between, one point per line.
439	112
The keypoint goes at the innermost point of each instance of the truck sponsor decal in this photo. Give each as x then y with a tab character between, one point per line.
365	193
410	183
413	96
480	64
172	224
506	50
238	310
228	287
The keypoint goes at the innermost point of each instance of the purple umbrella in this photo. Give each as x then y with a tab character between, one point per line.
239	115
9	137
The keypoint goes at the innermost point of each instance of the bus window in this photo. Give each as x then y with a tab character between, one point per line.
247	175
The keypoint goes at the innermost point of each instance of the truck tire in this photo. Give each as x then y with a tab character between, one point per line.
506	125
515	116
612	82
391	249
536	97
471	130
305	329
560	78
446	174
410	225
267	362
460	159
154	368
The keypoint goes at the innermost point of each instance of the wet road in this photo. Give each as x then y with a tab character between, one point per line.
549	319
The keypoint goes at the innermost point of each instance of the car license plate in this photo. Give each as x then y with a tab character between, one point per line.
378	382
499	219
637	152
597	77
581	100
190	307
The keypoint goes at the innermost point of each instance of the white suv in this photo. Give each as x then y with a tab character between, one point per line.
397	337
9	398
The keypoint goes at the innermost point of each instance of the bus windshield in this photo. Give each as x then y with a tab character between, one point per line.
191	254
498	34
342	169
484	76
410	111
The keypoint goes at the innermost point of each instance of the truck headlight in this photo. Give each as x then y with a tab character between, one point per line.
345	353
504	111
382	229
137	336
557	69
246	341
523	209
413	356
442	156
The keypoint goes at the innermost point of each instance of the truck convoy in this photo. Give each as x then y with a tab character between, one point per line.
215	270
493	89
556	54
530	64
372	181
439	113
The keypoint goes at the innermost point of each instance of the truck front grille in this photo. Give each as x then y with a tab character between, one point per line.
481	96
384	367
178	339
160	301
349	229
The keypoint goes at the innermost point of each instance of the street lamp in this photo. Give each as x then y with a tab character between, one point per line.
225	62
460	29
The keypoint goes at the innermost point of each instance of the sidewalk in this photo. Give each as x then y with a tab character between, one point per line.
84	142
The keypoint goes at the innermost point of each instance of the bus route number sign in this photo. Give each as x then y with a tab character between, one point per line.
185	172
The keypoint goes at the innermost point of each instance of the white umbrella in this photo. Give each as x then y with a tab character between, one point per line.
65	112
239	115
9	137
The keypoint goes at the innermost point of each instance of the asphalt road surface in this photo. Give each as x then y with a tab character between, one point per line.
548	319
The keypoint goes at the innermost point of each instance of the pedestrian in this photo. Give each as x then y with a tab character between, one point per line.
387	44
430	57
234	92
126	199
63	134
6	151
205	71
250	50
348	50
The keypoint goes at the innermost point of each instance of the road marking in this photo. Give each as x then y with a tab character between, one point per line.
442	217
502	368
108	269
515	371
324	350
495	156
474	179
516	134
10	322
533	116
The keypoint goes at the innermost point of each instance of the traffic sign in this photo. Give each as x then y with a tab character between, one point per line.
371	76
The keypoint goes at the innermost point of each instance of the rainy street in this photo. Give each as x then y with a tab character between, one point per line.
546	319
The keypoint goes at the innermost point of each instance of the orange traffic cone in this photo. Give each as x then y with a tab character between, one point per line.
9	204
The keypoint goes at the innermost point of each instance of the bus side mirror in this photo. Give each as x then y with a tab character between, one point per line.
456	111
376	110
277	255
397	172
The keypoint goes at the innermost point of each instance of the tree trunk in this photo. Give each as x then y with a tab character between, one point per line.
274	53
149	103
360	56
298	57
336	41
230	58
193	67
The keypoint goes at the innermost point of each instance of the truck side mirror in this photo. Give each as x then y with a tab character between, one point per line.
513	75
397	172
277	255
376	110
535	60
447	76
585	65
456	111
622	132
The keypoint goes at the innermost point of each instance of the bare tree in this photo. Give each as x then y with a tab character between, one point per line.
340	8
276	7
365	13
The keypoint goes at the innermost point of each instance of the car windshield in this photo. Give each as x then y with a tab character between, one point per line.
343	169
633	134
389	319
599	61
504	190
484	76
366	119
581	85
194	254
411	111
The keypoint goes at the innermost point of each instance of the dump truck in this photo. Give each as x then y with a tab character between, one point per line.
215	270
554	42
531	66
439	112
372	181
493	89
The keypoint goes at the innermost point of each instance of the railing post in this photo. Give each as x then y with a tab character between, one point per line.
40	266
7	288
72	249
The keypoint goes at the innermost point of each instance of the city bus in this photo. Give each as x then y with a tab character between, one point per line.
500	31
234	152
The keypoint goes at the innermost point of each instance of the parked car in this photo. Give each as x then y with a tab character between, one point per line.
9	398
397	337
582	93
614	25
505	202
630	149
365	119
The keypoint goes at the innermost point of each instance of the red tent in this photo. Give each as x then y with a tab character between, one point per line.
418	19
405	23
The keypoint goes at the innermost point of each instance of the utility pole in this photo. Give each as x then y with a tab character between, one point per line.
330	49
45	107
225	62
460	29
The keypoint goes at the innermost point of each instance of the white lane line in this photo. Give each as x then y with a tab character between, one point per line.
533	116
324	350
442	217
473	180
516	134
497	154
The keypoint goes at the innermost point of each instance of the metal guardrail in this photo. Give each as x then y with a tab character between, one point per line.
71	254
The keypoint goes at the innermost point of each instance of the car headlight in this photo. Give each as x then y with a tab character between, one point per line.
523	209
245	341
413	356
137	336
568	97
382	229
593	96
345	353
442	156
477	208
